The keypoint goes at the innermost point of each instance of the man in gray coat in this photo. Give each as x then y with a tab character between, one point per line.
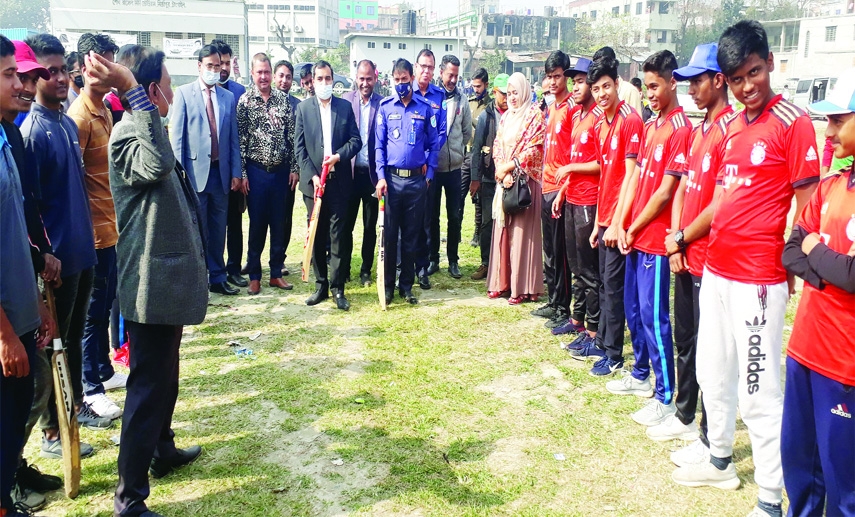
161	261
448	174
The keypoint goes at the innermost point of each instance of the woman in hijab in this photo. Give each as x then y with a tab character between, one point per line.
516	257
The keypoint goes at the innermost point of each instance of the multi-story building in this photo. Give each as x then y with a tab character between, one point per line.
509	32
656	23
178	27
358	15
304	24
385	49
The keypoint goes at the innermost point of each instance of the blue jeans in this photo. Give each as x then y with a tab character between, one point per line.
266	206
96	334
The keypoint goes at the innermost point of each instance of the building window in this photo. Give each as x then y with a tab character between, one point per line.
626	9
278	7
255	7
402	46
347	7
638	8
358	9
387	45
449	48
807	43
491	29
371	44
230	40
256	39
831	33
661	36
144	39
783	67
173	35
370	26
593	15
304	40
663	7
369	10
428	46
507	30
305	8
615	11
194	35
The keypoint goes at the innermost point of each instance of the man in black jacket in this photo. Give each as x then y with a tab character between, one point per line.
327	134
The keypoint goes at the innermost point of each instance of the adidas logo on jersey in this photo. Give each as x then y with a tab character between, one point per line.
811	155
841	410
680	159
634	139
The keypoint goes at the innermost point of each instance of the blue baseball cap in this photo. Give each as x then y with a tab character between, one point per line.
704	59
581	67
841	99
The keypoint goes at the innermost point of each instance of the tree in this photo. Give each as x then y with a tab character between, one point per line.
494	62
621	32
284	41
25	14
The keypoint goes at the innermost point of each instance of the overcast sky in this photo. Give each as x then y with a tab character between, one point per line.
536	5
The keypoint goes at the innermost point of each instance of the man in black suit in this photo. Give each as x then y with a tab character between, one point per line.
365	102
327	134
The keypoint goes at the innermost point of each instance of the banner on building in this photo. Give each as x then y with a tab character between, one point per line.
69	39
182	47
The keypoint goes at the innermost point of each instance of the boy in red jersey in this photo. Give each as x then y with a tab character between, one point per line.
618	136
579	182
769	157
647	217
818	432
686	244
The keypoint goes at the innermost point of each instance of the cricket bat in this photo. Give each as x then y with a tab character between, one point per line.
381	254
69	430
313	226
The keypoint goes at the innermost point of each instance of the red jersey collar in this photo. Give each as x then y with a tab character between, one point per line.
674	112
617	112
727	110
775	100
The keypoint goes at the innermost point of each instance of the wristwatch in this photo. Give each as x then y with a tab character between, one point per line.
678	238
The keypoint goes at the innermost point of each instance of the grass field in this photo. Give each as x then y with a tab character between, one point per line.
455	407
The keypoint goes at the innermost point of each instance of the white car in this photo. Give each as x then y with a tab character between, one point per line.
686	101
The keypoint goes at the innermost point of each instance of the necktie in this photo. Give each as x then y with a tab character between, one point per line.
212	122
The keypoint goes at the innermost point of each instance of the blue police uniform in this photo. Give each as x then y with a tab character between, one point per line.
407	139
436	97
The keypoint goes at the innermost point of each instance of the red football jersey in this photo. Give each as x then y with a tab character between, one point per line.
822	336
666	145
704	162
558	139
582	189
764	161
617	140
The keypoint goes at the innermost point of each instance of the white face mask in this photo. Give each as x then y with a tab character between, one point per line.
324	91
210	77
168	110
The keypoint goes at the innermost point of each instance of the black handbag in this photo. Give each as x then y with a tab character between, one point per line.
517	197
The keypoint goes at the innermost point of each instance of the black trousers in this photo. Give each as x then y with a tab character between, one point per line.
555	269
404	218
332	229
234	232
465	180
289	217
485	229
362	194
610	333
583	261
687	289
147	421
16	398
450	183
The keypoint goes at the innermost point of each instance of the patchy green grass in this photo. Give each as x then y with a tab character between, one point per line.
454	407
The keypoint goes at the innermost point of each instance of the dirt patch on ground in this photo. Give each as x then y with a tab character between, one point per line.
511	455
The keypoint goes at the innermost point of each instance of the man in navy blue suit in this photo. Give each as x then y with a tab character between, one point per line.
205	141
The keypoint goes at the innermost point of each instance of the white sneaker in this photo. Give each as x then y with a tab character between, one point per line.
672	429
116	382
693	454
654	413
706	474
103	406
629	385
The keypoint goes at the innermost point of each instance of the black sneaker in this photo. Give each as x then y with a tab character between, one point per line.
545	311
559	319
30	478
90	419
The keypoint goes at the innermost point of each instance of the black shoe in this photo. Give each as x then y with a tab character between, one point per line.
285	271
30	478
433	267
454	270
365	279
149	513
161	467
476	240
237	280
223	288
244	270
559	319
317	297
544	311
424	281
390	295
340	301
408	295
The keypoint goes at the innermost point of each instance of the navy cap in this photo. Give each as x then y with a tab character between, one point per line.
581	67
704	59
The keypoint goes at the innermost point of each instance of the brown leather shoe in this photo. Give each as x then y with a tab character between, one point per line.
280	284
254	287
480	273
